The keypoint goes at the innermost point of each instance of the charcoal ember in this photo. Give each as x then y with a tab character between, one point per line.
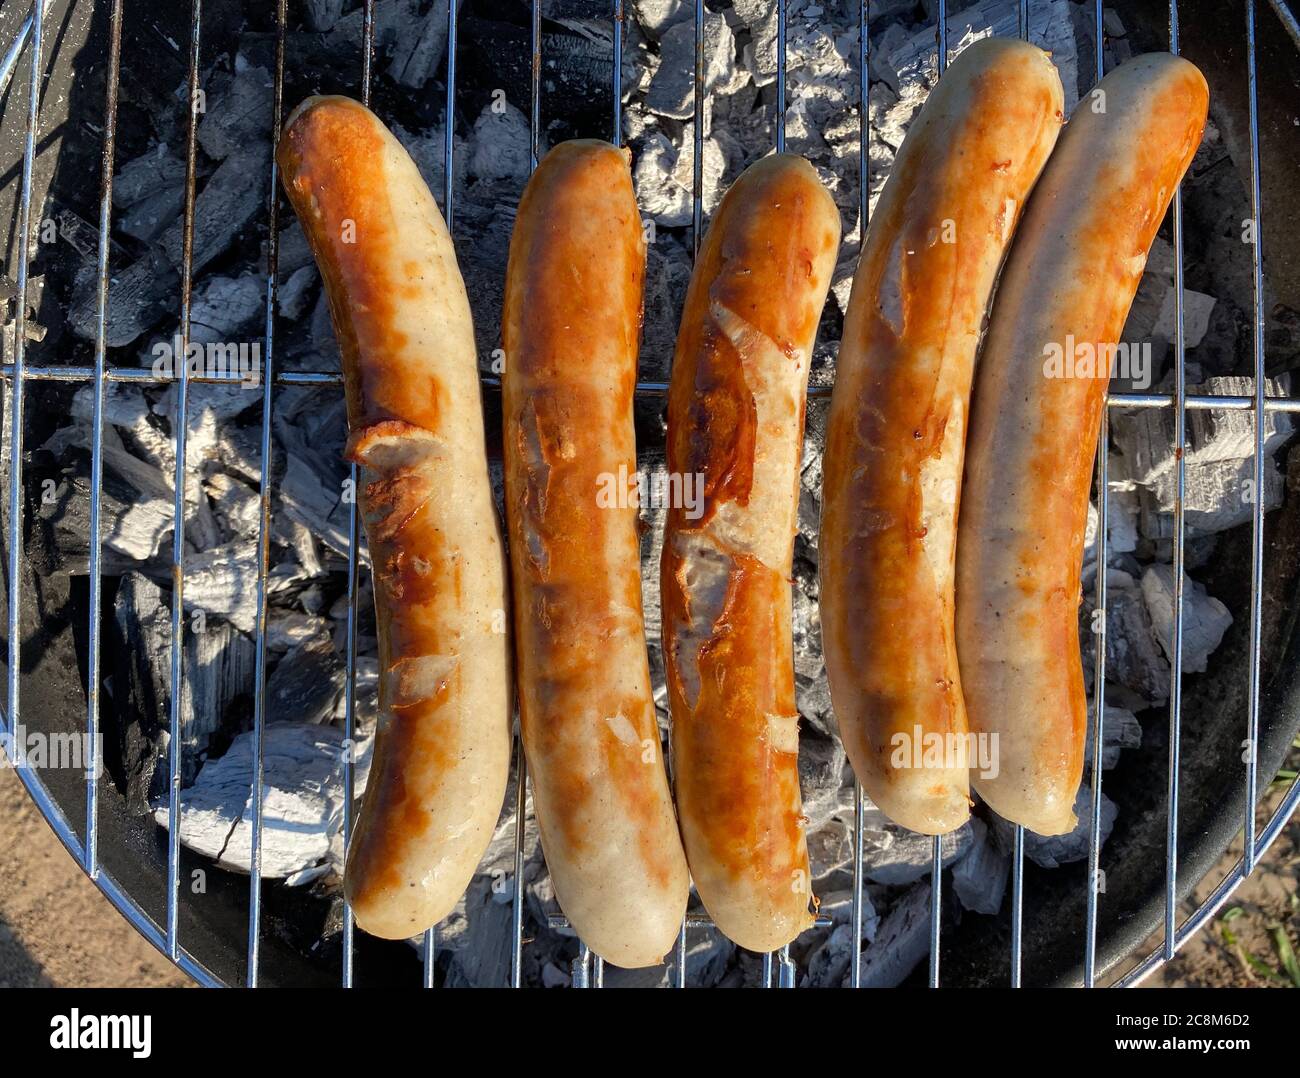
224	308
668	274
482	955
658	16
664	178
502	145
896	856
420	45
129	409
222	583
830	846
302	803
140	294
672	91
286	629
838	906
293	297
979	880
1205	618
311	431
1120	730
914	59
902	940
1219	462
1056	850
238	109
216	695
1133	656
136	509
321	15
821	777
827	964
307	683
146	175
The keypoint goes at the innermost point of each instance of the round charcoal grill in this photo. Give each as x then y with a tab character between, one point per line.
76	78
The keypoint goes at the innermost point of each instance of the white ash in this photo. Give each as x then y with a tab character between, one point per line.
979	880
1205	618
302	803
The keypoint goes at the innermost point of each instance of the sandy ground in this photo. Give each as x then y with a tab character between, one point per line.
57	930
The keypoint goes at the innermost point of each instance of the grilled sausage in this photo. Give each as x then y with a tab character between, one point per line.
735	427
416	430
897	428
1063	299
571	323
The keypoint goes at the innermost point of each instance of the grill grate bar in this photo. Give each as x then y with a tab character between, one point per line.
1180	479
16	400
1257	524
936	853
1099	631
355	540
1196	402
257	792
864	214
180	423
91	861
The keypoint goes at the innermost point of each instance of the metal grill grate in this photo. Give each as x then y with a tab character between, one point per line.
778	968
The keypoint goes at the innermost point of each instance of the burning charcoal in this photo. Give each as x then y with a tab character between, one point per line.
979	879
897	856
420	45
145	175
902	940
672	91
136	510
286	629
302	803
828	964
1057	850
1205	619
1197	308
238	110
1219	466
914	60
222	583
321	15
292	297
501	144
665	178
838	906
224	306
821	775
1133	658
307	683
482	956
138	296
218	673
1120	729
657	16
130	411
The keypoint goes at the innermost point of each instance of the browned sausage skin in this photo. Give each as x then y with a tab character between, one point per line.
570	328
897	429
1067	287
411	376
735	418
